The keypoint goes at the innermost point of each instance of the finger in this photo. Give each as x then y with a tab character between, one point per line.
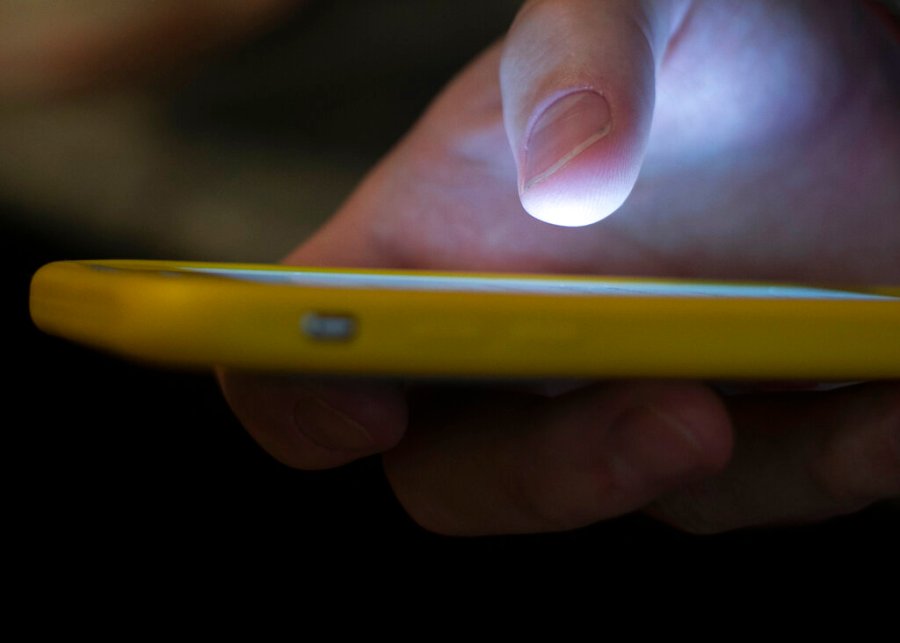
577	78
312	423
798	457
493	464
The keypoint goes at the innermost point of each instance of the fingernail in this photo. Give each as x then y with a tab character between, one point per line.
329	428
566	129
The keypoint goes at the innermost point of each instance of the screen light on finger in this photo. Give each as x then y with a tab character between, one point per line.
573	205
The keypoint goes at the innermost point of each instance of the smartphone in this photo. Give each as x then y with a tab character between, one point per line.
280	319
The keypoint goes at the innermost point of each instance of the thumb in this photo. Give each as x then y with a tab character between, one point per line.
577	79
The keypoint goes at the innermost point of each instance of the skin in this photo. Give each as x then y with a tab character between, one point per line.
744	140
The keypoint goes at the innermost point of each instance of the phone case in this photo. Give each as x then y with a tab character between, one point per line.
255	317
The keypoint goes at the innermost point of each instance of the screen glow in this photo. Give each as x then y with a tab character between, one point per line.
555	286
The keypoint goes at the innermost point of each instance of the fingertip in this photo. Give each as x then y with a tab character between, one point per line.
587	184
661	435
569	208
581	157
316	425
858	461
517	463
578	86
801	457
699	415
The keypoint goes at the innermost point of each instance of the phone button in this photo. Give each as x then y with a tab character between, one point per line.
328	327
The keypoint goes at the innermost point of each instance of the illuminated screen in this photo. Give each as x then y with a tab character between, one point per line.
560	286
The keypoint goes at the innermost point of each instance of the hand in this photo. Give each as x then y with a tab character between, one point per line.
741	140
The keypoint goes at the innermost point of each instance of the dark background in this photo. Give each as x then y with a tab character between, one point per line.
123	468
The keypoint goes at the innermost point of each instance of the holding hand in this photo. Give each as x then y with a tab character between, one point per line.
721	139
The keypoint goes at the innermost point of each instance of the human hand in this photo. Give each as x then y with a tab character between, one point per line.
742	140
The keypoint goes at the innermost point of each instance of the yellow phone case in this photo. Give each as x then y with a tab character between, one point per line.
184	314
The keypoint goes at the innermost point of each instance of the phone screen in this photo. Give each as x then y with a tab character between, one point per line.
539	285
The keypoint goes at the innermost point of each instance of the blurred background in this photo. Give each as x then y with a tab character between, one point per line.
209	129
229	130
